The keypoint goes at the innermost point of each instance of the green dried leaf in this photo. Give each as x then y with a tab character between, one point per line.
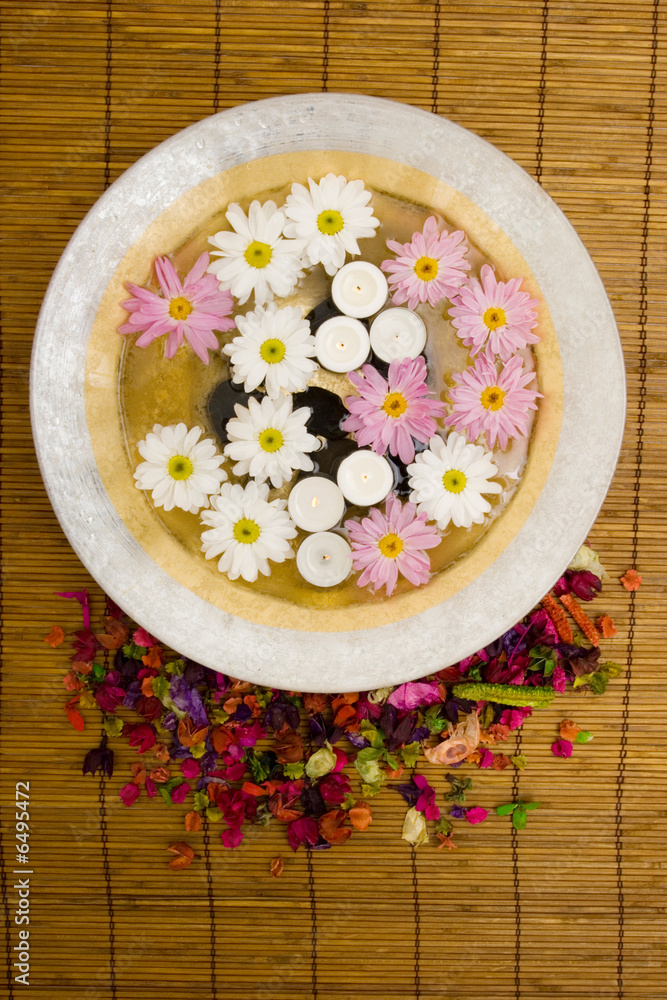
113	726
583	737
410	754
444	826
434	720
519	760
98	671
506	809
202	801
519	817
294	771
531	805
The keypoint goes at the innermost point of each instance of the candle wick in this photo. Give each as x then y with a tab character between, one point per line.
340	345
326	557
358	288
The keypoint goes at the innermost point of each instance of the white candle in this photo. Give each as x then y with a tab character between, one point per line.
365	478
324	559
342	344
316	503
359	289
397	334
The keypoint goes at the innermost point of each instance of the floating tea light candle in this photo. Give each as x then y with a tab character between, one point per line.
316	503
365	478
324	559
359	289
342	344
397	334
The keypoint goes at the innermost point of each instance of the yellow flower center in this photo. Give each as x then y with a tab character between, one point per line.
272	351
454	481
494	317
246	531
426	268
390	546
258	254
492	397
271	439
180	308
179	467
330	222
395	404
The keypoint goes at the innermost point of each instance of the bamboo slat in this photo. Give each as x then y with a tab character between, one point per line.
571	907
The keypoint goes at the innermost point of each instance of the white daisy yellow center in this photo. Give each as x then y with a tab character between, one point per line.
272	351
426	268
494	317
330	222
395	404
180	467
258	254
492	397
390	546
180	308
454	481
246	531
271	439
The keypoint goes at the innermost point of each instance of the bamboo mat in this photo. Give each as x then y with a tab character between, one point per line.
574	906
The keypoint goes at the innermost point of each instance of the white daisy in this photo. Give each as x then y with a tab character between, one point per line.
332	216
275	347
255	256
268	441
247	530
448	480
178	470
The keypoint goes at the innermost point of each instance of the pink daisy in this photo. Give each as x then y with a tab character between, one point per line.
384	545
497	404
494	314
430	268
388	414
192	308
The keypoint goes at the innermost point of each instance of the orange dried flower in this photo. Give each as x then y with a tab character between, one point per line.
81	666
184	856
289	748
314	703
569	729
500	761
55	637
582	619
154	658
160	752
72	682
231	705
146	687
138	773
360	815
276	867
631	579
193	822
331	826
605	626
558	618
395	774
446	841
160	774
500	731
188	733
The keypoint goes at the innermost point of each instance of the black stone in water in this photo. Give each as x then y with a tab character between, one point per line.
329	457
324	311
326	411
221	405
400	469
321	313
